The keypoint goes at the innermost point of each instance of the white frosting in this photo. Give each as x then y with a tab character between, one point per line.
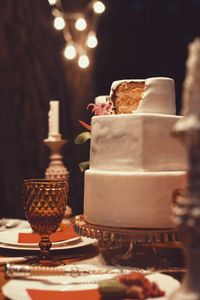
130	199
118	82
136	142
158	97
135	163
101	99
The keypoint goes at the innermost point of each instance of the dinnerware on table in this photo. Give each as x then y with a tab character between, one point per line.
73	288
8	223
28	258
44	205
25	238
25	271
11	241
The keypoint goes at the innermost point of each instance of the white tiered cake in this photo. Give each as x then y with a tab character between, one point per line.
135	163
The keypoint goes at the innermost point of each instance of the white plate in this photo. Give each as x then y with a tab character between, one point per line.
81	242
11	238
16	289
10	224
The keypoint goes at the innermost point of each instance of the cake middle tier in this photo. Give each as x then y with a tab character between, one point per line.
131	199
136	142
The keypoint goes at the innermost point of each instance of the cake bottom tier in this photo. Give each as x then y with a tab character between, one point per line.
131	199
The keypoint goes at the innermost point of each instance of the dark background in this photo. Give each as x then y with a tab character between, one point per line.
145	38
137	39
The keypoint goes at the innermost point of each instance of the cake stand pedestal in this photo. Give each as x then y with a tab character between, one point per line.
141	243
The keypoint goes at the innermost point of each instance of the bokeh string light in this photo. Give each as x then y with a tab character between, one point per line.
81	24
79	30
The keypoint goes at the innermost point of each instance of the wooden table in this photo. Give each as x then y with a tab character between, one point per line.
2	281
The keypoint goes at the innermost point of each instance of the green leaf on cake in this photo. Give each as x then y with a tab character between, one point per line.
83	137
84	166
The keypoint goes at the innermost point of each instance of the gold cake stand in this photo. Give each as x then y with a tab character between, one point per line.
139	245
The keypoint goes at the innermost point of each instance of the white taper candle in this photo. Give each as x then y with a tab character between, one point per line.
54	118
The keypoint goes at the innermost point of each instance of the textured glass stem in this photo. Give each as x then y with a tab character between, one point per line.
45	245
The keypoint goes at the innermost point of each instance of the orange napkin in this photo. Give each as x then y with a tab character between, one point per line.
65	295
66	233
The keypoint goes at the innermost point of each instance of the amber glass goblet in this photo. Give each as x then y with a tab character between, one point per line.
44	204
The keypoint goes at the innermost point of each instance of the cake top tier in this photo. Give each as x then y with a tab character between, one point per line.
152	95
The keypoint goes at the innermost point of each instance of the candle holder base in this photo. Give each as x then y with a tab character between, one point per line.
56	168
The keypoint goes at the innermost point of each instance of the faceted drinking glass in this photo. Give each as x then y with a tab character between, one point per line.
44	204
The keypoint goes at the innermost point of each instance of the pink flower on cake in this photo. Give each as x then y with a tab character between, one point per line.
98	110
101	108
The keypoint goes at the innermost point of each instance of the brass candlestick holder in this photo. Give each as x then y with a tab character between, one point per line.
187	203
56	168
